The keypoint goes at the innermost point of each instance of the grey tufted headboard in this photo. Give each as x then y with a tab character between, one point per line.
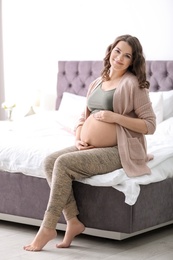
75	76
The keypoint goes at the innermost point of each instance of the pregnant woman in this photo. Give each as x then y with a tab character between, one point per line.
109	135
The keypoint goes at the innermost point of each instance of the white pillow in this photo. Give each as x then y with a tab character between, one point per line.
70	109
157	104
72	104
167	104
165	127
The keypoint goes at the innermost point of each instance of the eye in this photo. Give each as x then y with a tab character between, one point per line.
127	56
116	50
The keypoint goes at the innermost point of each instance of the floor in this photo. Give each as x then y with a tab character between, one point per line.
154	245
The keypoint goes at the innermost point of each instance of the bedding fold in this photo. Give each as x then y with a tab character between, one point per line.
27	142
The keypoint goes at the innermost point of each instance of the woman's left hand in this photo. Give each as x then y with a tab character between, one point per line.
105	116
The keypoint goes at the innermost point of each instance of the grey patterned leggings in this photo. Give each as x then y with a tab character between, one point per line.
67	165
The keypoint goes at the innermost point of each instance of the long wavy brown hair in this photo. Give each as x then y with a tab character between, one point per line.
138	66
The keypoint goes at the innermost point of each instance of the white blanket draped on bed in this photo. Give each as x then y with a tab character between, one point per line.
24	145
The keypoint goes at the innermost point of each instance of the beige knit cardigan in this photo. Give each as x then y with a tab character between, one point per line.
132	101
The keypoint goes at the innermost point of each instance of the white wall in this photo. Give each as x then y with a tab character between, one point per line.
38	33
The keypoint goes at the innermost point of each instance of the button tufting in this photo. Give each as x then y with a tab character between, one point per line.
157	87
70	85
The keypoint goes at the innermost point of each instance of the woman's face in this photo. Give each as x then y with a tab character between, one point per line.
121	56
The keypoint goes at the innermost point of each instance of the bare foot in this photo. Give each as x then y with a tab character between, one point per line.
43	236
74	228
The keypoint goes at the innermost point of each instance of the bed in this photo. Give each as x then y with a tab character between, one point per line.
112	205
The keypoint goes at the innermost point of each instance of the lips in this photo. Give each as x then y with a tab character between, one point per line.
118	62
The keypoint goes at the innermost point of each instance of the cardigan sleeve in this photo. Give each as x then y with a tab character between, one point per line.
144	110
133	101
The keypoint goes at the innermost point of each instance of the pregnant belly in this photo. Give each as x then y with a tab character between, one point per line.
98	134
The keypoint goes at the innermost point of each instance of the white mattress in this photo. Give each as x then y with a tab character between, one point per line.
24	144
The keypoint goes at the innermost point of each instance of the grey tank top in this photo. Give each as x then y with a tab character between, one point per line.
100	99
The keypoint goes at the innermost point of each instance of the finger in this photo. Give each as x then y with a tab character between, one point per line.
86	148
97	117
84	144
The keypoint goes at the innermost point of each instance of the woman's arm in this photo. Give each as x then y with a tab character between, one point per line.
141	119
133	124
81	145
78	131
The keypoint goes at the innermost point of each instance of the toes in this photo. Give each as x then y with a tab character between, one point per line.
31	248
62	245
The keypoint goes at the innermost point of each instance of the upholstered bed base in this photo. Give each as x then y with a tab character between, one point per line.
102	209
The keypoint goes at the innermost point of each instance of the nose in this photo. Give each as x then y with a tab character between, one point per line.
120	56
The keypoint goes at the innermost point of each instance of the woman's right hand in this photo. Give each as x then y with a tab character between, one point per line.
81	145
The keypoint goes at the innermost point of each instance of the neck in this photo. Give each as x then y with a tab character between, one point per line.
116	74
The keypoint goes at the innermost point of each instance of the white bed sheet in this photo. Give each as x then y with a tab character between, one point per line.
24	145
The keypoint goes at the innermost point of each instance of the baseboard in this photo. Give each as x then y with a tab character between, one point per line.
88	231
